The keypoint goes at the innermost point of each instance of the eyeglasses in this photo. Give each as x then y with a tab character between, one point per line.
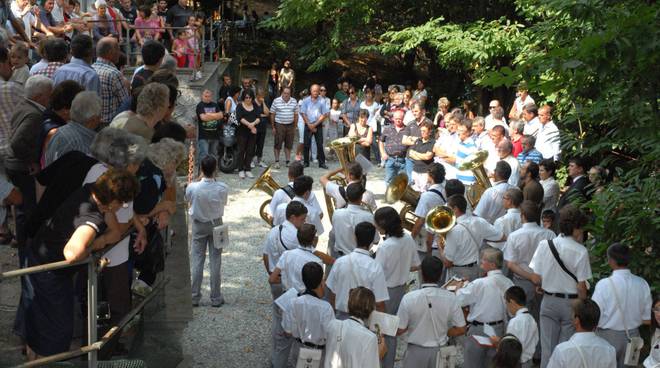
492	107
322	89
351	92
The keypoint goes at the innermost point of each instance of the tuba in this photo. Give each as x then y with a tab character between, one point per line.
439	221
268	185
399	190
345	150
475	163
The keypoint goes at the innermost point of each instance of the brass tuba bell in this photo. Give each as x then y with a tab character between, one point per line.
268	185
345	150
475	163
440	220
399	190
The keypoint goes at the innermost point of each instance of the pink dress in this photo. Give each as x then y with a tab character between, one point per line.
181	49
152	26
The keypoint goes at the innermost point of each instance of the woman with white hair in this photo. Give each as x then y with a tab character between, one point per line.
103	23
152	105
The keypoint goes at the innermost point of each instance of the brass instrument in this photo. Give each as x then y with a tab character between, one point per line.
475	163
399	190
439	221
345	150
268	185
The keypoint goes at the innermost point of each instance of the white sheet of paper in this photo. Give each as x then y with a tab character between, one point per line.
482	340
489	331
284	301
388	323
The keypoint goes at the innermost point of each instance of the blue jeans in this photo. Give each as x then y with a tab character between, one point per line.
393	167
409	169
207	147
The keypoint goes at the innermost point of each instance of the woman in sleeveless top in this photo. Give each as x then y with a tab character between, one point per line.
363	131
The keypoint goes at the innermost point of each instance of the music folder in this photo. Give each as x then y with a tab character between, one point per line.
387	323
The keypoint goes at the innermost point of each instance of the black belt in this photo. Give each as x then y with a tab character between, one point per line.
310	345
397	156
477	323
561	295
467	265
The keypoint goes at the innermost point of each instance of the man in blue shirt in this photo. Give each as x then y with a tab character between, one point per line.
529	153
314	111
79	69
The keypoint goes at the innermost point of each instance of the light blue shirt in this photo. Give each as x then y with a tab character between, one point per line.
78	70
313	109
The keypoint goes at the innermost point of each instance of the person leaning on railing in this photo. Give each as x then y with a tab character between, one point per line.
67	236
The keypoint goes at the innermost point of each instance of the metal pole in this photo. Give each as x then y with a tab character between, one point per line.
92	290
128	46
202	49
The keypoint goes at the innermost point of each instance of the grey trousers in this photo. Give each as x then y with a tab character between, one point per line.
202	238
281	342
475	355
470	273
276	290
618	339
420	357
392	307
295	350
533	298
556	325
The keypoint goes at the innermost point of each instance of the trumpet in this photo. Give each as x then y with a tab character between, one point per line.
268	185
399	190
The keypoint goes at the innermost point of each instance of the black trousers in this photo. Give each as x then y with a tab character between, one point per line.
261	137
318	137
246	143
25	183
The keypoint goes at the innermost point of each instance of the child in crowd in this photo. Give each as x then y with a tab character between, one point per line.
180	48
548	220
333	129
19	59
192	31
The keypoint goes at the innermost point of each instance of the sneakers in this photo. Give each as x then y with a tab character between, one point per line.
249	174
241	174
198	75
262	164
323	166
276	165
252	165
288	163
141	288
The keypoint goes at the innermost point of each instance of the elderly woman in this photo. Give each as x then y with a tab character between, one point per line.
68	236
443	109
153	102
350	109
517	127
103	23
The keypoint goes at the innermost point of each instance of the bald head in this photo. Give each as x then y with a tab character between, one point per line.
314	90
108	48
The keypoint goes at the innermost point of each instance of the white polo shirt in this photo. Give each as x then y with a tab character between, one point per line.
291	264
278	241
490	206
461	248
397	256
485	296
575	258
307	318
280	197
532	127
583	348
429	200
514	179
332	189
428	313
344	221
634	295
522	243
353	270
349	344
313	213
547	141
524	328
507	224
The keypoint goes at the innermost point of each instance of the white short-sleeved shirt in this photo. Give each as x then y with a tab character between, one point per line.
596	352
415	313
373	110
485	296
514	179
332	189
397	256
353	270
550	193
522	243
449	143
349	344
313	213
344	221
532	127
291	264
280	197
307	318
634	295
429	200
461	248
507	224
547	141
524	328
490	206
280	239
575	258
520	103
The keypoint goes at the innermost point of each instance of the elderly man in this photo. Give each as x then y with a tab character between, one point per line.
547	140
392	149
177	16
505	152
314	113
530	114
23	160
530	184
495	116
55	52
78	134
284	120
113	89
79	68
11	94
414	132
496	135
529	153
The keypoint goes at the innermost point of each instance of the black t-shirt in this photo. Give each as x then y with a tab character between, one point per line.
223	94
177	16
130	16
208	129
79	209
141	78
423	147
152	186
250	116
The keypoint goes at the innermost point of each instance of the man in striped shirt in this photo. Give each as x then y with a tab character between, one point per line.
464	149
284	119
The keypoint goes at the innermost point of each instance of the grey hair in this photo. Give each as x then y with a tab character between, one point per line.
85	106
118	148
152	98
37	85
518	126
105	47
168	63
166	151
479	120
493	255
529	138
507	145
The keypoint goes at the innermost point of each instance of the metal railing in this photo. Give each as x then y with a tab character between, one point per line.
95	264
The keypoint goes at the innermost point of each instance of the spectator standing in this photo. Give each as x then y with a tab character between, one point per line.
522	98
530	115
314	112
55	52
529	153
152	53
550	186
392	149
517	129
273	77
209	118
287	76
177	16
495	115
421	154
529	183
547	140
11	95
505	153
148	25
350	109
443	109
152	105
247	115
342	93
161	11
113	89
419	94
79	68
284	119
261	127
363	132
224	91
577	190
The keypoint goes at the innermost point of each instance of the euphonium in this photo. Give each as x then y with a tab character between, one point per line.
268	185
475	163
345	150
399	190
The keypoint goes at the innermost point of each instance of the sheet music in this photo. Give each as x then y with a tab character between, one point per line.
388	323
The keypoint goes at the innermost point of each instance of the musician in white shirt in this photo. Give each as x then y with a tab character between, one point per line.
288	268
357	269
585	348
485	297
463	241
338	193
433	197
350	343
511	221
428	317
307	317
561	288
286	193
522	325
398	257
302	187
624	301
505	153
490	206
345	219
